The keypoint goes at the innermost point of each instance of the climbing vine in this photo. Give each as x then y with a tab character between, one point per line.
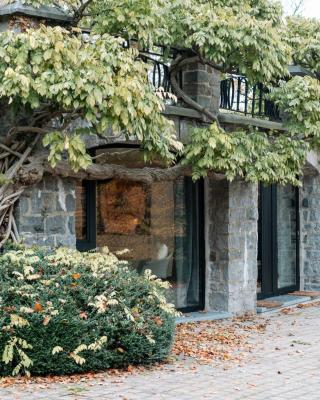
60	84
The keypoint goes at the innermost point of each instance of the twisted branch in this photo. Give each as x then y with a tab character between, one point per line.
12	159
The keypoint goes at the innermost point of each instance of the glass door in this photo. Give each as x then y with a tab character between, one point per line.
278	246
155	226
159	227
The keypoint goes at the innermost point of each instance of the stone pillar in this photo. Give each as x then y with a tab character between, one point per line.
232	212
202	84
310	233
45	213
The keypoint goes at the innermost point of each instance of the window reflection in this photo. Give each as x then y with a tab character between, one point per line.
158	223
81	216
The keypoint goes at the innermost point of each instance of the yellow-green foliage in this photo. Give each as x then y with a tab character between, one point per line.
95	79
299	99
303	35
251	155
243	34
64	311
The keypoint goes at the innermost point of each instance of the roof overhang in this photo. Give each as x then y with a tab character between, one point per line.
17	8
296	70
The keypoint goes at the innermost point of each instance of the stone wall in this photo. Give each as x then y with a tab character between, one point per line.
310	233
232	212
45	213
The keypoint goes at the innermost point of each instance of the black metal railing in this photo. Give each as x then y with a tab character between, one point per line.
159	74
238	96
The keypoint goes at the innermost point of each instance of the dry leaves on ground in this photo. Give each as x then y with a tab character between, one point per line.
288	310
212	341
68	379
308	305
204	342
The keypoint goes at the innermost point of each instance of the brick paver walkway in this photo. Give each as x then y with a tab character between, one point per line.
284	365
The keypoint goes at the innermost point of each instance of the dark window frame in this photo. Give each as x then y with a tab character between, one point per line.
90	242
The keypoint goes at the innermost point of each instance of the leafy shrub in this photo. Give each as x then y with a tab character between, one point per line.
64	312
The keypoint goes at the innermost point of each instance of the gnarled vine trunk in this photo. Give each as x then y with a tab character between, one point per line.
12	158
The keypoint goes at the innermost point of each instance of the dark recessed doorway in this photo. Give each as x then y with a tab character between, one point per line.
278	244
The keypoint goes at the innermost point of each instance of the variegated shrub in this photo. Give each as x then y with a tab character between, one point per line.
64	312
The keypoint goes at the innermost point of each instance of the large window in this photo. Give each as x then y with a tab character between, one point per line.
160	224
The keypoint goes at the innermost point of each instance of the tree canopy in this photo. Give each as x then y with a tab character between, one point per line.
90	70
67	76
61	73
303	35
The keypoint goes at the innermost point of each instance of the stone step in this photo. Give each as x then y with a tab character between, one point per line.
202	316
277	302
313	294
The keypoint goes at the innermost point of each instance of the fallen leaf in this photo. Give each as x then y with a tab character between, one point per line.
38	307
46	320
83	315
121	350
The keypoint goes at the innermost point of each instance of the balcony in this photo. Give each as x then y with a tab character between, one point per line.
237	95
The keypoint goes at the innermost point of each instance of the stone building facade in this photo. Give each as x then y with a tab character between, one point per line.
46	213
232	236
310	232
226	227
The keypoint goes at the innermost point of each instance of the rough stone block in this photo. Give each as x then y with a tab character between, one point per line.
55	225
24	205
66	241
233	239
195	67
43	203
31	224
219	302
68	185
70	202
71	225
196	77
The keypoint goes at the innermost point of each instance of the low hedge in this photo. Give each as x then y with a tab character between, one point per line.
64	312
